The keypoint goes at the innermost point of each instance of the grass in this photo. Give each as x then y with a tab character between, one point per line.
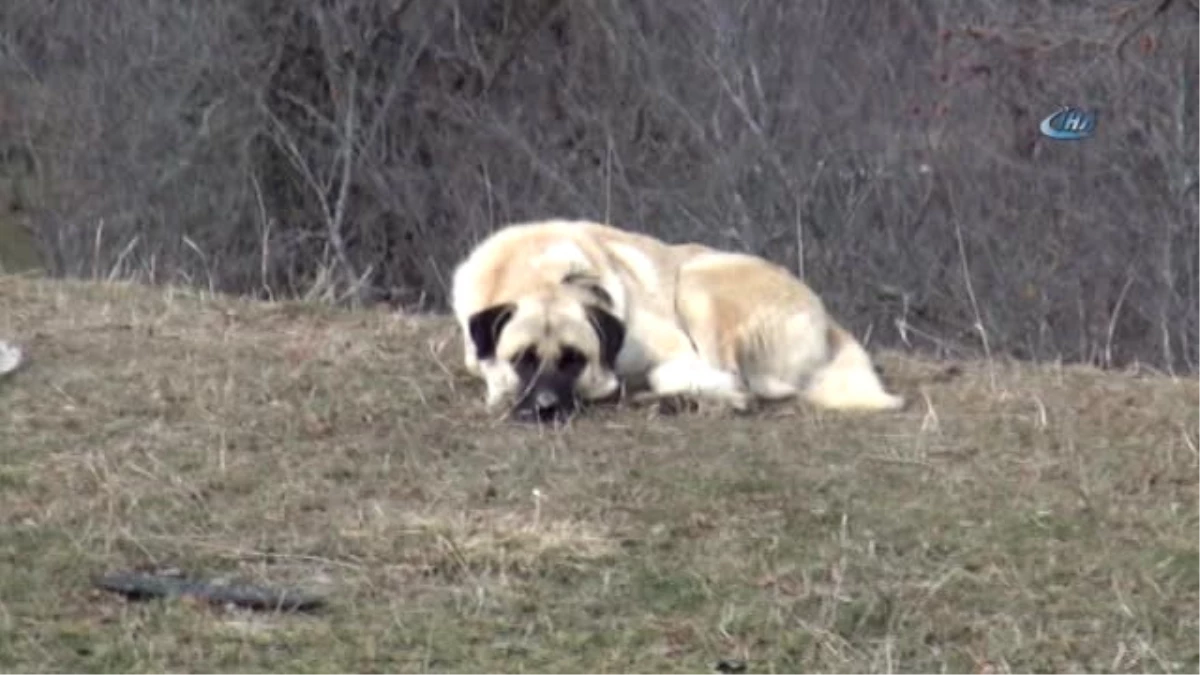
1026	518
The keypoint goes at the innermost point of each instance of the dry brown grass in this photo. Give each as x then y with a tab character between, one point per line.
1018	517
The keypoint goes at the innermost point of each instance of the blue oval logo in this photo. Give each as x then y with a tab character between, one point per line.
1069	124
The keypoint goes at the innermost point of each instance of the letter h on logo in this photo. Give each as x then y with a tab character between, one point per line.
1074	121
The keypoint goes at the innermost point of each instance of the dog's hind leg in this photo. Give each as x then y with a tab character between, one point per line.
776	354
677	370
690	376
693	370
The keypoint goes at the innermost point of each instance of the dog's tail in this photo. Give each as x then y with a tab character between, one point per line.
848	381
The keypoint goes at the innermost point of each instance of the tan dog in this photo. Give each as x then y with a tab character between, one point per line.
558	311
754	318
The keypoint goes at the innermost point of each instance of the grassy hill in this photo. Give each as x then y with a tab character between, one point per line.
1016	517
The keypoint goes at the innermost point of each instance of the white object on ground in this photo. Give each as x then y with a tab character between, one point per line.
10	357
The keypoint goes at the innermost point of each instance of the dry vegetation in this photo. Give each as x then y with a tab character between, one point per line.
1018	518
888	151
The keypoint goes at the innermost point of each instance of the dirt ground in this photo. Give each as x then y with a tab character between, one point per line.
1017	517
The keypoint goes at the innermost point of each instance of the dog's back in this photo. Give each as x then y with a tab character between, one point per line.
525	256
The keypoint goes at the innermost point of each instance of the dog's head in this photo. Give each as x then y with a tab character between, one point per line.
550	350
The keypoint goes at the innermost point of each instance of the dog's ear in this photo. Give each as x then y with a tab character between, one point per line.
611	332
590	284
485	326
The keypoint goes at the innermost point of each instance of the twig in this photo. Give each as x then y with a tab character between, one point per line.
966	272
339	211
1112	320
265	246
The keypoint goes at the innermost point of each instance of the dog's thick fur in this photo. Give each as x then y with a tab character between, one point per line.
579	306
756	319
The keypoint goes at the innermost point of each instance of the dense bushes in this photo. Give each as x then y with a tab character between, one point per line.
889	152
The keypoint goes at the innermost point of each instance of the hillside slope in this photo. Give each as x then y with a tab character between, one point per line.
1026	518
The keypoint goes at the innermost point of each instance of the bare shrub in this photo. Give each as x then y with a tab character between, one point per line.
888	153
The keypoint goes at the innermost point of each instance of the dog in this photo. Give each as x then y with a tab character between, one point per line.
559	312
749	316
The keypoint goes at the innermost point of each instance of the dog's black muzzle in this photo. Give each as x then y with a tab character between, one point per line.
546	404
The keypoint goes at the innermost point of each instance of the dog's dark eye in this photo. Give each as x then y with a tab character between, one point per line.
526	361
571	359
